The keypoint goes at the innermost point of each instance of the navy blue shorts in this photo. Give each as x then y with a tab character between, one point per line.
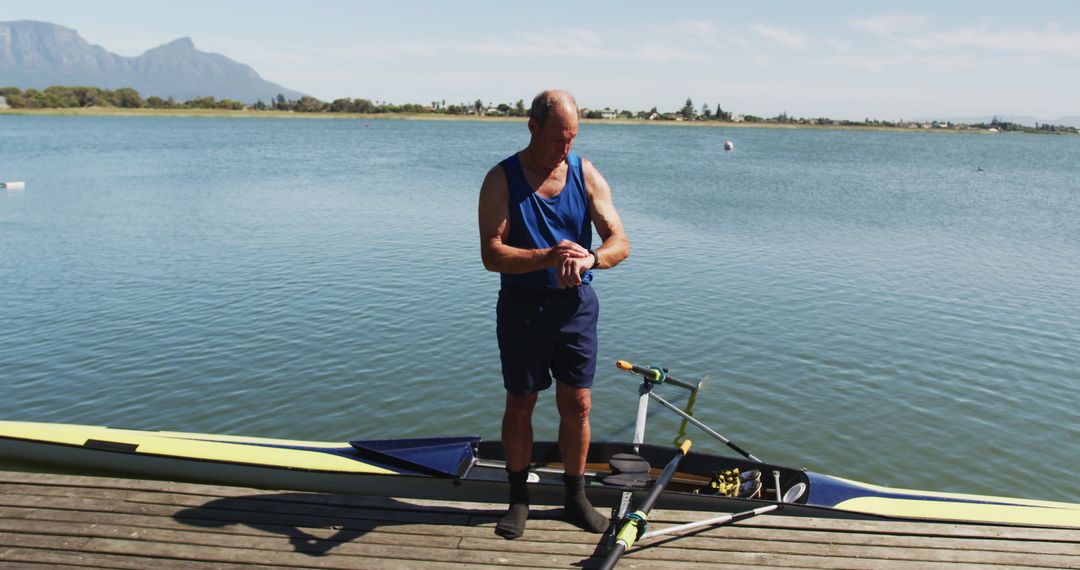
547	333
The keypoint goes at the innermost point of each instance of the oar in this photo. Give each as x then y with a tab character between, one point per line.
637	519
657	375
714	522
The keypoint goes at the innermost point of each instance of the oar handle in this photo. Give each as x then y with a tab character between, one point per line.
653	374
664	478
637	521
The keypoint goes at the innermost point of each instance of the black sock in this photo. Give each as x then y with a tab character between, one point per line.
512	524
578	508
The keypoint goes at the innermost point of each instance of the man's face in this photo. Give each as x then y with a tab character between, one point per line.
554	139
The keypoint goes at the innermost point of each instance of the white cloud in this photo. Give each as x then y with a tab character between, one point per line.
915	31
937	64
781	36
1048	41
584	44
837	45
659	52
699	30
867	63
891	25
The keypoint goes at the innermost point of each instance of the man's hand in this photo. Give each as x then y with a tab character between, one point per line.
566	249
570	261
569	273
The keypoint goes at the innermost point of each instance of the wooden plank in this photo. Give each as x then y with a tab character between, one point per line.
44	533
258	527
164	491
695	543
37	541
358	558
229	511
658	515
262	502
155	543
408	536
26	506
44	558
73	509
894	527
244	529
289	539
737	531
751	553
214	550
496	554
35	558
13	480
633	560
972	530
719	548
62	520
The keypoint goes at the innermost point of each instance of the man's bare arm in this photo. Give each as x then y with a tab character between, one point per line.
494	218
616	246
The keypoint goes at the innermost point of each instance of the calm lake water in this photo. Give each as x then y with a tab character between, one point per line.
865	304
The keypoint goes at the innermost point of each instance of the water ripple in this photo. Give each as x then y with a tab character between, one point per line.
870	310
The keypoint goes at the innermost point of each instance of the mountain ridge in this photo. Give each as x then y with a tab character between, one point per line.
1069	121
37	55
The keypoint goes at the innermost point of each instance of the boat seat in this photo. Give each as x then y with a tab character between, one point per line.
628	471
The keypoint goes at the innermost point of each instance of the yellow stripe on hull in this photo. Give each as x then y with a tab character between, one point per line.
204	447
972	512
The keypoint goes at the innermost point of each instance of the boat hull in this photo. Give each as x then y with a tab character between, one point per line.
337	467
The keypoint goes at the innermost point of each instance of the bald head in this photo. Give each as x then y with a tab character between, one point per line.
551	102
553	125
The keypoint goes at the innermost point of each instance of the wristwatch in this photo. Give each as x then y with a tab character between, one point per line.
596	260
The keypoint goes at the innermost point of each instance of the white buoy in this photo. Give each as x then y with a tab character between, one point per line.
13	185
728	145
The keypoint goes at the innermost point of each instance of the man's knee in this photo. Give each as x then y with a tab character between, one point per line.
574	402
520	407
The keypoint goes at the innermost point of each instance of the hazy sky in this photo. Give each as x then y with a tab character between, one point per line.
841	59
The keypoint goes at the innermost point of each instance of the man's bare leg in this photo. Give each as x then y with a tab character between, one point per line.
517	439
574	405
517	432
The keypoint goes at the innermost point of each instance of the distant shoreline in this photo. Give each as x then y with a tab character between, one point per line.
251	114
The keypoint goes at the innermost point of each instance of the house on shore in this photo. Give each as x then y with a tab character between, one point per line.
605	113
3	102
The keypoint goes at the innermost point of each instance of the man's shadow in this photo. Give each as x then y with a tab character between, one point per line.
340	518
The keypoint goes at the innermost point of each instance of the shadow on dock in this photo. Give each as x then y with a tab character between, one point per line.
316	524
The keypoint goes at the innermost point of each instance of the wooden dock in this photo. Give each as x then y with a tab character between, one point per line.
54	521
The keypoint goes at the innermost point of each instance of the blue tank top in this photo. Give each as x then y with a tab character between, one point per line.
537	222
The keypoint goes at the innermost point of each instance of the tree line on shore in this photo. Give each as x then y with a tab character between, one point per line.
63	97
